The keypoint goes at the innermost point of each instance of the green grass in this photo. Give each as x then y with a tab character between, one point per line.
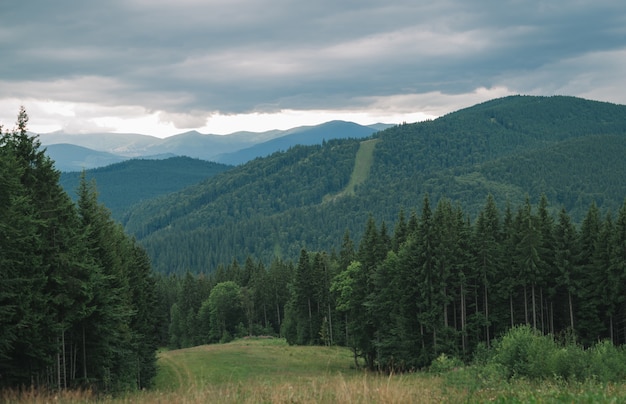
246	360
362	164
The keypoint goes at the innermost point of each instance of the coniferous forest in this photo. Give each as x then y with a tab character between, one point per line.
81	306
436	283
77	295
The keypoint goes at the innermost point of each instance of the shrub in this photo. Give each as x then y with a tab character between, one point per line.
444	363
569	363
607	363
523	352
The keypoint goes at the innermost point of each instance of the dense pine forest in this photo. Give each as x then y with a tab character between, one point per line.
77	295
124	184
437	283
569	149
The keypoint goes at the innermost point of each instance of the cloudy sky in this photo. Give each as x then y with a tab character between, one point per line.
161	67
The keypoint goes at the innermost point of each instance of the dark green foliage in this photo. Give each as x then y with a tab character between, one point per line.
446	292
122	185
525	353
76	293
225	311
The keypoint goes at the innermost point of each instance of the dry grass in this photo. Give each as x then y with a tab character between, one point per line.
355	388
270	371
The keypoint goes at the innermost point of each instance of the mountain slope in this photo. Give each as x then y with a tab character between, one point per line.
124	184
307	135
122	144
508	147
69	157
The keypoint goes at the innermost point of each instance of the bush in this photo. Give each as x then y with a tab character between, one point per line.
523	352
445	363
607	363
569	363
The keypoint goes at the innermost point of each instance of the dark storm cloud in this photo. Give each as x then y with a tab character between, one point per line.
259	55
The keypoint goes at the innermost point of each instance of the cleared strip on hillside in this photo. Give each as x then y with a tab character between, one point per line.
362	164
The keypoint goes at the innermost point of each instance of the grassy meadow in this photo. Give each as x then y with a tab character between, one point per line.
270	371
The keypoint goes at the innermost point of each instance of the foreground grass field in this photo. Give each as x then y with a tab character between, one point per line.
270	371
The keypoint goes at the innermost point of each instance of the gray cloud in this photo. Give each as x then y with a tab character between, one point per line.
191	58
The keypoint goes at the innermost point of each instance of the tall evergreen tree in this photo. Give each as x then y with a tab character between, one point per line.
488	261
53	291
618	267
588	302
608	282
565	255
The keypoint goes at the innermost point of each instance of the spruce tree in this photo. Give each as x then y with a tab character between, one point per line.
488	261
618	267
565	255
587	277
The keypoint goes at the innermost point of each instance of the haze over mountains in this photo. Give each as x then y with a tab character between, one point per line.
73	152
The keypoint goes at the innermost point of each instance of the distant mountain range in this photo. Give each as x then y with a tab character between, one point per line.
73	152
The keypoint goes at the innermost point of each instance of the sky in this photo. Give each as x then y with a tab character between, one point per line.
162	67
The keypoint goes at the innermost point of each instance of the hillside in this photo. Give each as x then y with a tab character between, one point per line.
570	149
69	157
124	184
75	152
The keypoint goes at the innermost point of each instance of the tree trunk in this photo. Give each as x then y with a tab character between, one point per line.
532	291
278	318
346	321
58	368
487	335
571	310
526	306
84	357
445	307
541	312
64	360
455	323
310	321
511	309
330	324
463	332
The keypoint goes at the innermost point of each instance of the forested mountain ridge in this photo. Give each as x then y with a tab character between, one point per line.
123	184
509	147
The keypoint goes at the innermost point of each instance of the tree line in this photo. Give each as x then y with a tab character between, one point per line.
438	282
77	295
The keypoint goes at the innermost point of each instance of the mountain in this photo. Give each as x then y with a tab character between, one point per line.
126	183
69	157
304	135
121	144
235	148
570	149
